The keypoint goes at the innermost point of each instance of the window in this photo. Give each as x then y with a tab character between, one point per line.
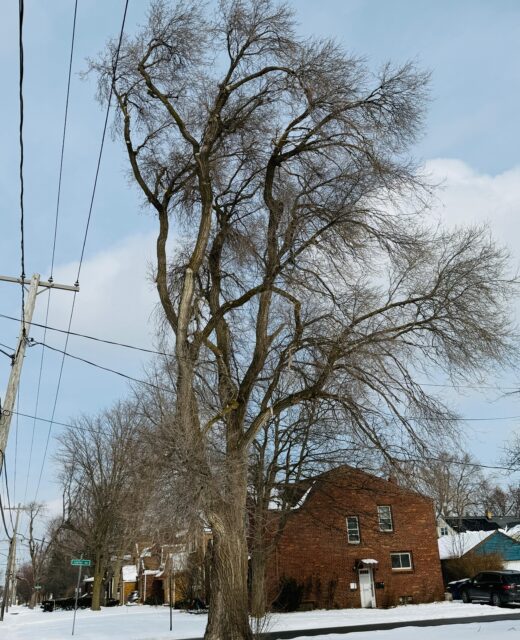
401	561
353	530
444	531
385	518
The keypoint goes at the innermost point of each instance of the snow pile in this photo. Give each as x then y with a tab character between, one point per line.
456	545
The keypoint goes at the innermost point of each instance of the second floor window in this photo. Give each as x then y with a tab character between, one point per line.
353	530
385	518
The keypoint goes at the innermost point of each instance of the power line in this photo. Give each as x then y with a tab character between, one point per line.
2	508
114	68
56	221
20	94
87	227
163	353
63	139
77	427
9	355
89	337
99	366
7	491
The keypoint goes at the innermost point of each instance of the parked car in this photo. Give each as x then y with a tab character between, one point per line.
493	587
455	587
84	602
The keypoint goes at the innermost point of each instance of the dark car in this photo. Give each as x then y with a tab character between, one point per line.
455	587
493	587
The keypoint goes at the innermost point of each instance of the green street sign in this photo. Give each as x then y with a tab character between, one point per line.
79	562
37	587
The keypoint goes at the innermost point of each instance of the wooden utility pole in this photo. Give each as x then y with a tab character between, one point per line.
14	379
10	572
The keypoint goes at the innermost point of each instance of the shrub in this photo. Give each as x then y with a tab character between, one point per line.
470	564
289	596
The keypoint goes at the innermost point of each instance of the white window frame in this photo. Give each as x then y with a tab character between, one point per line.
400	554
358	534
445	531
389	518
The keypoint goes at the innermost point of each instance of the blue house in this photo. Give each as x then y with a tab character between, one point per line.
483	543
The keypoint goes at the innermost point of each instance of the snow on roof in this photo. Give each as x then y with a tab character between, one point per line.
369	561
88	580
301	501
455	546
151	572
512	532
129	572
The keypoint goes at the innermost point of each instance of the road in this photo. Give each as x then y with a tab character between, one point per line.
382	626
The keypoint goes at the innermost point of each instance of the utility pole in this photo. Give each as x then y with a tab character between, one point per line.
10	574
14	379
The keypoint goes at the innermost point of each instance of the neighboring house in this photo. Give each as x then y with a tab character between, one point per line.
481	543
356	540
487	522
128	582
443	528
174	571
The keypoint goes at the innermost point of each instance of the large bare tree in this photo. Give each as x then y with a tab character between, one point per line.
98	458
301	269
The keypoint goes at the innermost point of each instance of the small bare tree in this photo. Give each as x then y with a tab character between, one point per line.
97	457
302	271
39	548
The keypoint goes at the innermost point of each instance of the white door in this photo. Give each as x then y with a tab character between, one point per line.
366	588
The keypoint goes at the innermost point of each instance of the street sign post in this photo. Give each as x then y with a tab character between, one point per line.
80	563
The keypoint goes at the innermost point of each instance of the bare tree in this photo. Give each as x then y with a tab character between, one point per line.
302	269
454	481
97	457
39	549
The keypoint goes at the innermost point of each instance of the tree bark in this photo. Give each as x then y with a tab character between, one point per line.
259	602
228	617
98	583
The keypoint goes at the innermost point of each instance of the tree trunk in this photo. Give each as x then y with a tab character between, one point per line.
228	617
99	572
258	583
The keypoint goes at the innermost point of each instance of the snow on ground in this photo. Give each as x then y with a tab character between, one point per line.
486	631
150	623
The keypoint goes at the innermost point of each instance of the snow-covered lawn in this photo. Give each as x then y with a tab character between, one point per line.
149	623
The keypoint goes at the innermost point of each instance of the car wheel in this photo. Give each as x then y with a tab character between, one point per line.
495	600
465	597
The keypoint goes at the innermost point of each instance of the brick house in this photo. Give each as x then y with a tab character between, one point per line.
355	540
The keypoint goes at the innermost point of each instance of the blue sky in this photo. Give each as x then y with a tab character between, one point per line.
470	143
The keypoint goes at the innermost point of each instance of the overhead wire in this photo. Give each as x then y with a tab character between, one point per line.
116	343
85	236
2	508
78	427
20	136
7	492
102	367
53	254
167	390
89	337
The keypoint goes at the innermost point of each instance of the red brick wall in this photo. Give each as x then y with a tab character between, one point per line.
314	549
